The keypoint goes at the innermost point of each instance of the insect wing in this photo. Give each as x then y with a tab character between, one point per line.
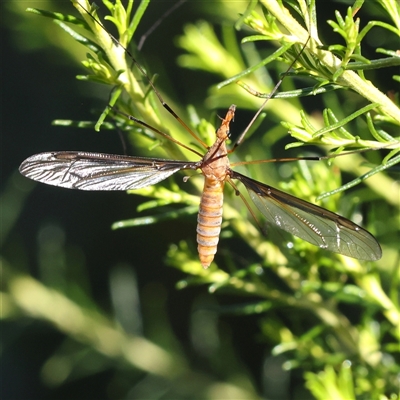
314	224
97	171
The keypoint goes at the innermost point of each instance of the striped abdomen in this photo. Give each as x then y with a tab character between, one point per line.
209	220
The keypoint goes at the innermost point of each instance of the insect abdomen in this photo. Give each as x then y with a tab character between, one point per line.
209	220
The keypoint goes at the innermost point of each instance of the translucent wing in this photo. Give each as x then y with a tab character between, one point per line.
314	224
97	171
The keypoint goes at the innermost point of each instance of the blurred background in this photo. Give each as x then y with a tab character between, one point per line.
62	240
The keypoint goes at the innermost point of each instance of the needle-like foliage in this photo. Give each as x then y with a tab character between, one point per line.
334	319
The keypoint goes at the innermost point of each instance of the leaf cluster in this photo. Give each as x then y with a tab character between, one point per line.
334	318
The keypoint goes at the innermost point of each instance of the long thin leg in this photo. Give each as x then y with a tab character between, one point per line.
240	139
143	72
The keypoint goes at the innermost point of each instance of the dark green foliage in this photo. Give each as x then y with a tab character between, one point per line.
326	318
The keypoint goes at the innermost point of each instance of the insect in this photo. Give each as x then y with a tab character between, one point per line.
97	171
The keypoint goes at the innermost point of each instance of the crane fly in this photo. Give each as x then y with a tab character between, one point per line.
97	171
